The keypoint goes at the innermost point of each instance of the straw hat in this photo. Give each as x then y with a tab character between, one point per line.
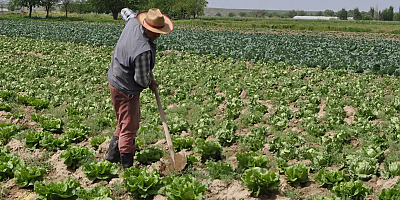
155	21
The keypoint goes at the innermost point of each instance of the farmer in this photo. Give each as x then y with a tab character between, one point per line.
129	73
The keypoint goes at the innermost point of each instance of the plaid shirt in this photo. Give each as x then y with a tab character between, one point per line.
143	61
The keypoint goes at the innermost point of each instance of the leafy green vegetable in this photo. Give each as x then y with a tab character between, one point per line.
27	176
103	170
7	132
54	125
141	183
8	163
33	138
184	187
362	167
52	143
67	189
5	107
251	159
182	143
97	193
260	180
329	179
77	156
208	149
76	134
149	155
33	101
96	141
394	168
296	174
390	193
351	190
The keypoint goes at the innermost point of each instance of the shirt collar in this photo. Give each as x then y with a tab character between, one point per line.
142	30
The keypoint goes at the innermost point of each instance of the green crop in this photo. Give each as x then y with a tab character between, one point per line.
260	180
77	156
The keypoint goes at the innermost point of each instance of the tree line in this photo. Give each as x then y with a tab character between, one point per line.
176	9
387	14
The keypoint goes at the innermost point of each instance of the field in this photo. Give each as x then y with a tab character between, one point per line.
261	114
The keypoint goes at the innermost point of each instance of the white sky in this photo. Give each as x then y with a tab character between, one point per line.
307	5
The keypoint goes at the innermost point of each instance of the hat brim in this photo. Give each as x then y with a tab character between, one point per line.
169	26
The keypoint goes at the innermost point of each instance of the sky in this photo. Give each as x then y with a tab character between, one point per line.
306	5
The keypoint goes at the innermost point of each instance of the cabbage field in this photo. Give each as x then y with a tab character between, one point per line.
260	116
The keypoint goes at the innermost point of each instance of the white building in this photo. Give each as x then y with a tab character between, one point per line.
315	17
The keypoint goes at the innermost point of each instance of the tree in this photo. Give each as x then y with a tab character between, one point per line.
82	6
342	14
350	13
330	13
231	14
218	15
319	13
387	14
292	13
48	4
301	13
259	13
114	6
372	12
196	7
357	14
26	3
242	14
66	3
397	16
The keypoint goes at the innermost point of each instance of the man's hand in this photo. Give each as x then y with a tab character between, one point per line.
153	85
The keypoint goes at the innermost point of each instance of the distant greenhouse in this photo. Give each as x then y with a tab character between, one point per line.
320	17
315	17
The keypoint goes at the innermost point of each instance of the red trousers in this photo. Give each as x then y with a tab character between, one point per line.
127	110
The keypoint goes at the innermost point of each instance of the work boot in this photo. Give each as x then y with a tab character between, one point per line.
113	154
127	160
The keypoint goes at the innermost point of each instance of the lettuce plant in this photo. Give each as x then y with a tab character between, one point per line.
32	138
260	180
103	170
8	163
54	125
351	190
77	134
328	179
394	168
7	131
141	183
296	174
52	143
76	156
149	155
96	141
390	193
67	189
208	150
97	193
27	176
184	187
362	167
251	159
182	143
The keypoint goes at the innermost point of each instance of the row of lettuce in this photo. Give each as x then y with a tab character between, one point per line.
141	183
376	56
216	98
